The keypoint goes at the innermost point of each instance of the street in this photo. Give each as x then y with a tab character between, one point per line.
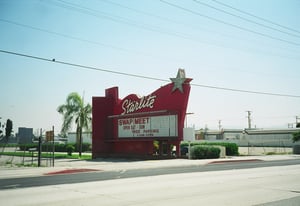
66	177
255	185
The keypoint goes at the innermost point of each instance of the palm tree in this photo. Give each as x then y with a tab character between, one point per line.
74	109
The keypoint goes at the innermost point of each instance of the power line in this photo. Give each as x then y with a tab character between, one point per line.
119	19
140	76
143	26
229	24
80	66
169	20
107	45
125	49
143	12
245	19
255	16
76	38
245	91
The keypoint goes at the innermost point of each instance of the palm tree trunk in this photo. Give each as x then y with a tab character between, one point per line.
80	141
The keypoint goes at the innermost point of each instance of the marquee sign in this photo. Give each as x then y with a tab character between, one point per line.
128	126
151	126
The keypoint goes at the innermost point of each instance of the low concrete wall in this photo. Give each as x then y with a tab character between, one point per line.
264	150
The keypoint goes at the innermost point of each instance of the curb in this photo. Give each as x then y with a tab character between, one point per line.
70	171
231	161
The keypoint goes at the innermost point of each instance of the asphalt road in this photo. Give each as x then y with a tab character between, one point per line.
110	175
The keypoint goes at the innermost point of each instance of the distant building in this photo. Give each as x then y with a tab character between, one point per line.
271	137
253	137
86	137
25	135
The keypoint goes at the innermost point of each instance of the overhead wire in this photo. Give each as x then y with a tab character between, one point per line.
119	19
76	38
229	24
169	20
181	23
245	91
127	74
257	17
53	60
80	66
245	19
130	50
142	12
68	36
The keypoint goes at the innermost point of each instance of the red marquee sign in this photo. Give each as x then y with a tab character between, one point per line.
128	126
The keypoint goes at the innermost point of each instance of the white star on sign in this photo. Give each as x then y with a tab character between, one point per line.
179	80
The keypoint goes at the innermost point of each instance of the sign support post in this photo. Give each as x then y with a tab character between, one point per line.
53	157
40	148
189	150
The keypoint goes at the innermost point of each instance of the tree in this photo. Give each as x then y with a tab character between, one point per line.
296	136
75	111
8	128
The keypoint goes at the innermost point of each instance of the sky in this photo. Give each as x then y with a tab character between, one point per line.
242	56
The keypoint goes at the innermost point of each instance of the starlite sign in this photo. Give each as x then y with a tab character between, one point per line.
130	106
129	126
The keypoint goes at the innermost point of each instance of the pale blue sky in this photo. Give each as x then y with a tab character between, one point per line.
152	38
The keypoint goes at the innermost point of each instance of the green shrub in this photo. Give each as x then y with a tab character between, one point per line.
26	147
204	152
85	147
8	145
48	147
70	149
232	149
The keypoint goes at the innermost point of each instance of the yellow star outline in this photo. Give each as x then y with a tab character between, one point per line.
179	80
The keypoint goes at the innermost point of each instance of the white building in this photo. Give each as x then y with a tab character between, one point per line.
253	137
86	137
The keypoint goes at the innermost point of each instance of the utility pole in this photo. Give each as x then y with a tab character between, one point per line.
53	156
220	126
249	119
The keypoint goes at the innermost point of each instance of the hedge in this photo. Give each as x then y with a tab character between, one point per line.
8	145
48	147
204	152
232	149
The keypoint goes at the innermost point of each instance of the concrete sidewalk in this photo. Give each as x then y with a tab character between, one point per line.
63	166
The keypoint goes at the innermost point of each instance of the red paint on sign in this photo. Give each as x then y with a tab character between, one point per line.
133	113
